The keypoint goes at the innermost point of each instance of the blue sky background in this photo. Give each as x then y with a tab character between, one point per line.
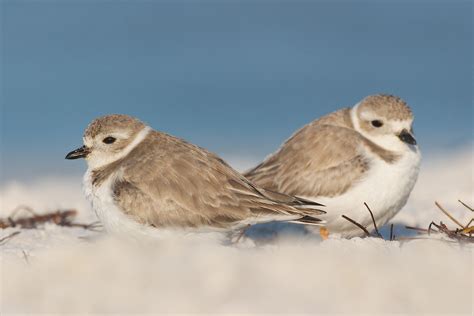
236	77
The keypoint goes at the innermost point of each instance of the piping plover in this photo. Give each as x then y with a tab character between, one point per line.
141	181
366	153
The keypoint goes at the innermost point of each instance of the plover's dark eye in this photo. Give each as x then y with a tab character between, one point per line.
377	123
109	140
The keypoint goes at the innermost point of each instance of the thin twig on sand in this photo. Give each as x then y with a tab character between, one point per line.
367	233
466	206
373	221
417	229
26	257
448	215
94	226
357	224
3	240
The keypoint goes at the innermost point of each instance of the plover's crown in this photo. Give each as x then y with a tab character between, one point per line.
106	123
387	106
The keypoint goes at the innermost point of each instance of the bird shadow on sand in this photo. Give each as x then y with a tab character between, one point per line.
276	231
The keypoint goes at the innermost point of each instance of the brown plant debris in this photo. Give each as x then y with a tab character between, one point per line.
466	206
3	240
373	221
392	234
364	229
464	233
33	220
367	234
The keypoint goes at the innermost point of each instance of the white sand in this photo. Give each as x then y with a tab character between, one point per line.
56	270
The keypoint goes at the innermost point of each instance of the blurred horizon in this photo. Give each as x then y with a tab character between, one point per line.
237	78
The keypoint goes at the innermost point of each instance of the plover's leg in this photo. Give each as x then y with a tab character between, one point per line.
324	233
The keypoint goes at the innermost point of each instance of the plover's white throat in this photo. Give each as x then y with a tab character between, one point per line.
366	153
140	181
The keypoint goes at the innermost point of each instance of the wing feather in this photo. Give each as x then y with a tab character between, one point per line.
179	184
318	160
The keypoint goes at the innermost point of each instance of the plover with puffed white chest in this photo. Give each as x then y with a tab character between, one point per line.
141	181
366	153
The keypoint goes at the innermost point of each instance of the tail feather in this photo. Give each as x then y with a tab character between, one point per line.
307	209
289	199
309	220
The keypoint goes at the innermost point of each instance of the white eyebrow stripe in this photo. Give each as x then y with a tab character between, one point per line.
119	135
354	119
136	141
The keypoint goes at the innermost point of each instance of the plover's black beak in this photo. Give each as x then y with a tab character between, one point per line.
407	137
78	153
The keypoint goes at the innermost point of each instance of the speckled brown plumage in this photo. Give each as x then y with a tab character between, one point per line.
167	182
113	121
388	106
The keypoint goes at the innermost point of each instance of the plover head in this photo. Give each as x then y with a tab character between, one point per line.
386	120
108	139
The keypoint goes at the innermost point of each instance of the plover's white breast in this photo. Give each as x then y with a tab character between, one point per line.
113	219
385	189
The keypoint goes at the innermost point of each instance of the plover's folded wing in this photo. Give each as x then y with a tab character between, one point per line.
290	199
332	159
190	187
